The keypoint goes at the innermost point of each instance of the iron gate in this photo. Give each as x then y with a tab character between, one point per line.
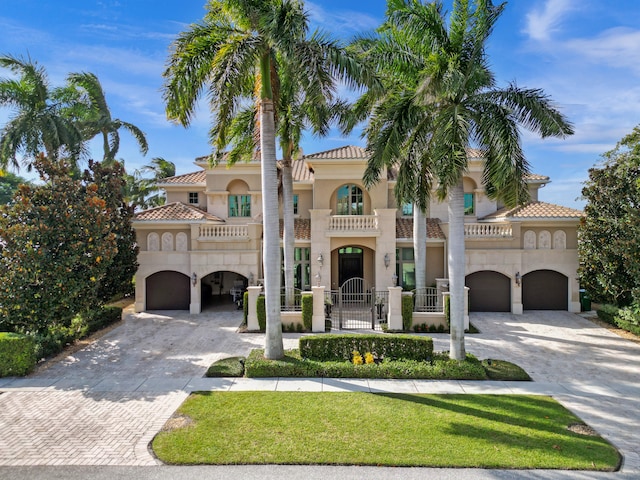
356	302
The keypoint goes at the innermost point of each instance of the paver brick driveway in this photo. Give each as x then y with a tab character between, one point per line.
103	404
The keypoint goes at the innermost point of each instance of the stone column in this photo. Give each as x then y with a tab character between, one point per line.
317	320
252	309
394	317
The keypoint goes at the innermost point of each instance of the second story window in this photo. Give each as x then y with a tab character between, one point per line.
469	204
239	205
350	200
407	209
295	204
193	198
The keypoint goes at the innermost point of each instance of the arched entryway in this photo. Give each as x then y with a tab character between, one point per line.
489	291
167	290
222	288
350	263
545	290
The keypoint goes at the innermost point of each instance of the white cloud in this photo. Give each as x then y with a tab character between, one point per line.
344	21
616	47
542	22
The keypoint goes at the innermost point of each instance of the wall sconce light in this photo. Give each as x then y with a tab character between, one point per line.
251	278
320	260
318	278
518	279
394	280
194	279
387	260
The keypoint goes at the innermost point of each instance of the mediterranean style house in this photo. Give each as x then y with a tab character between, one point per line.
204	244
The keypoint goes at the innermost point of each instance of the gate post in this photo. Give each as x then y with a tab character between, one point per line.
252	310
317	319
394	319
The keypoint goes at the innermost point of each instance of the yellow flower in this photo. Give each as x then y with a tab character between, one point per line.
368	358
357	358
93	279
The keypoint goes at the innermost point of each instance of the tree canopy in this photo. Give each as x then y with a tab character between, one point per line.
609	234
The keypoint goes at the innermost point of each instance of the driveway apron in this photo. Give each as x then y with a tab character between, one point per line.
103	404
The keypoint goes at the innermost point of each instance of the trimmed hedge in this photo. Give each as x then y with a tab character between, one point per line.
390	347
307	311
626	318
407	312
607	313
261	312
17	354
99	319
293	365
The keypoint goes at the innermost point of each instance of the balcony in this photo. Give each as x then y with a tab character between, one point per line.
353	225
223	233
488	230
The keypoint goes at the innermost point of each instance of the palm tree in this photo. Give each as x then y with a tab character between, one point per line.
294	112
89	109
442	99
237	53
38	122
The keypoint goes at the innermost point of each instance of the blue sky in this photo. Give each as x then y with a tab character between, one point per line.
584	53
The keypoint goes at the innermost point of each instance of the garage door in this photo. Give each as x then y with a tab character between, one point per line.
168	291
545	290
489	292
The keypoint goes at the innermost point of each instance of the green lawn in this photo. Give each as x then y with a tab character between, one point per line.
486	431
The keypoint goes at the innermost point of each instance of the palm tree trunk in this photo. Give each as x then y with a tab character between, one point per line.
456	265
289	233
420	246
273	348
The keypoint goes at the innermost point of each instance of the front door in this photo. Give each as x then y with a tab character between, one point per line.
349	263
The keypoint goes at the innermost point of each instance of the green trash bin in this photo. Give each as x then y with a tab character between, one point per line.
585	301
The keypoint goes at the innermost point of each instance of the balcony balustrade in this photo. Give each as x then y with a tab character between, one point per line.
347	225
488	230
223	233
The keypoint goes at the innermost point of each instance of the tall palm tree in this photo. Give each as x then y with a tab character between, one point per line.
236	53
89	109
38	122
442	99
295	112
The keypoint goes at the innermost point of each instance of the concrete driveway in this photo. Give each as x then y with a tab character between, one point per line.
103	404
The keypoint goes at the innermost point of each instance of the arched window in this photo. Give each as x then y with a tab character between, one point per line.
349	200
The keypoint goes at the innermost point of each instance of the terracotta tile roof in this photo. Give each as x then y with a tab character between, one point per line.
404	228
301	228
192	178
536	210
392	175
301	171
176	211
535	178
347	152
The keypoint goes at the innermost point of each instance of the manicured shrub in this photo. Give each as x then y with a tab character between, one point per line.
447	310
101	318
307	311
245	307
227	367
628	318
407	312
607	313
17	354
261	312
341	347
293	365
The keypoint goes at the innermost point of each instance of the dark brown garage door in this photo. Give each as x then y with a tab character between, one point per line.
488	292
545	290
168	291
